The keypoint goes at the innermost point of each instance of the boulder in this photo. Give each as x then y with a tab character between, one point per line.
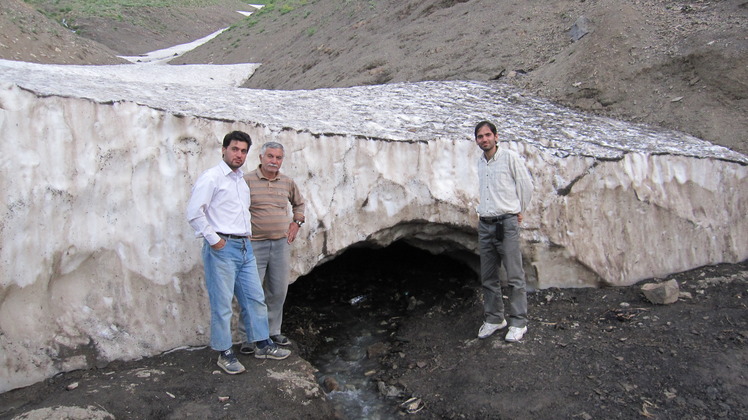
662	293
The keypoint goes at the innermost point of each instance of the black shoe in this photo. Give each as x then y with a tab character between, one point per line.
280	340
247	348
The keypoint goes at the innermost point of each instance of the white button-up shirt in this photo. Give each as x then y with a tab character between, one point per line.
505	184
219	203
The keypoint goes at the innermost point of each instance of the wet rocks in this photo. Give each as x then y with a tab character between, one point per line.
389	391
330	384
376	350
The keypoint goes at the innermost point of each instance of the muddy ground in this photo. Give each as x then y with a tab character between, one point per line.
589	354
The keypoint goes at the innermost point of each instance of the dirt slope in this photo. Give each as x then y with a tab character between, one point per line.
676	64
27	35
145	29
681	65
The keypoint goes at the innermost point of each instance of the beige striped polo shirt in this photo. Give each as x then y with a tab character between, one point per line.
269	200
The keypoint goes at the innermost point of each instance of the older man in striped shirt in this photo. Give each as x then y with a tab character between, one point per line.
272	233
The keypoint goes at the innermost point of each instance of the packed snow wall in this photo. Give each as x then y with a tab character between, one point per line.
97	261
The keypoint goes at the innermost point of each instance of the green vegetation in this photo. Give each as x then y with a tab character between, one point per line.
280	6
68	11
109	8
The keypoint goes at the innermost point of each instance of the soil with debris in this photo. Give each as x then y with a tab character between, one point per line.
589	353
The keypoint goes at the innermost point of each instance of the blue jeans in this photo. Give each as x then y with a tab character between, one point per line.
493	253
229	271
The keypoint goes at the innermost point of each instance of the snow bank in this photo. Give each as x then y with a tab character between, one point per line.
98	263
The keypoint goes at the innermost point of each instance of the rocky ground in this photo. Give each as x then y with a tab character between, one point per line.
590	353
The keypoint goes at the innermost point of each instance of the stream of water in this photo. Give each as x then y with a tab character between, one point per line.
346	312
344	363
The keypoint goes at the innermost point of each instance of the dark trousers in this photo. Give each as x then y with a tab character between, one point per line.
493	252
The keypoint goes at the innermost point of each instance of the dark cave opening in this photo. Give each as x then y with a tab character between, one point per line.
344	316
362	281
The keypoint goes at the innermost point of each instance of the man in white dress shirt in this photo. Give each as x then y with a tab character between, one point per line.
218	210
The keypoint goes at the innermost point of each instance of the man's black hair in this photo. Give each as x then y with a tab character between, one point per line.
483	124
238	136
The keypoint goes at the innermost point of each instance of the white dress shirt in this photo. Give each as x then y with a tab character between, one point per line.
219	203
505	184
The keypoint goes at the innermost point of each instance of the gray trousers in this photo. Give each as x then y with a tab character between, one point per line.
492	254
273	257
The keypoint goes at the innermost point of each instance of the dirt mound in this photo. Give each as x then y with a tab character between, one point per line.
146	29
27	35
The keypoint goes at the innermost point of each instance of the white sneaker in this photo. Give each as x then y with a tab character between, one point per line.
487	329
515	334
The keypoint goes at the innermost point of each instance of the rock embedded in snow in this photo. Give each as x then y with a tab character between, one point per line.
98	262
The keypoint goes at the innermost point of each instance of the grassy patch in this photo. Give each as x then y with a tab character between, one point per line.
68	11
276	6
110	8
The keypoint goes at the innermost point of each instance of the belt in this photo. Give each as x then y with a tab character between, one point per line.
231	236
496	219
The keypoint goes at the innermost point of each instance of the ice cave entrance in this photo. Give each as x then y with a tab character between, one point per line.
345	316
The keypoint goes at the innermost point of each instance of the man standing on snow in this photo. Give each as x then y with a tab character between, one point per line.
272	233
505	192
218	211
